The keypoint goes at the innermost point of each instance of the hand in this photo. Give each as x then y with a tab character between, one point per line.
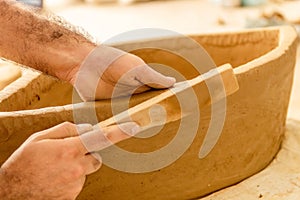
52	164
108	72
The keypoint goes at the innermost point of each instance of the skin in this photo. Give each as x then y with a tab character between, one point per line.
57	51
43	45
59	168
53	164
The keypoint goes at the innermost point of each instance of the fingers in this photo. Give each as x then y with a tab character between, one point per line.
91	163
117	74
63	130
102	138
83	128
141	89
99	139
90	138
154	79
108	136
140	79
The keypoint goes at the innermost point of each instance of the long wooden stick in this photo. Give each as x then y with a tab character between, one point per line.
166	108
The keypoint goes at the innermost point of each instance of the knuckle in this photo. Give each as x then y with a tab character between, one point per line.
66	123
33	137
73	174
36	136
68	126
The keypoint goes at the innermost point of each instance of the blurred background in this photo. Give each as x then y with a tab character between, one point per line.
106	18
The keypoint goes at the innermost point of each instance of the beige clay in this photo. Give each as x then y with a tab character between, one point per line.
280	180
263	62
8	74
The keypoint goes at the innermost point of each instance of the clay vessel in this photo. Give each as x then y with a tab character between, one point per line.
263	63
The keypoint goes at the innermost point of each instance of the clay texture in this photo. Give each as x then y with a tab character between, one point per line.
8	74
263	62
280	180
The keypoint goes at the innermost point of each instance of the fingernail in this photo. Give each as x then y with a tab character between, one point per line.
130	128
83	128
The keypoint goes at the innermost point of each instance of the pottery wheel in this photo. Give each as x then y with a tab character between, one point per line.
8	74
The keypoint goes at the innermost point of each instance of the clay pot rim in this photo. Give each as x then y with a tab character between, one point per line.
287	35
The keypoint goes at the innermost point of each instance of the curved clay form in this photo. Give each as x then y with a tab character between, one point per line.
8	74
263	62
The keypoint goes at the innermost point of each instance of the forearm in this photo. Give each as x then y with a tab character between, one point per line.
33	40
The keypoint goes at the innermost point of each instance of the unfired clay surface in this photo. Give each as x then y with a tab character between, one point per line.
263	62
8	74
280	180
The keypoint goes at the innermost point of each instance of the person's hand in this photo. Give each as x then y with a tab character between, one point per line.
108	72
53	164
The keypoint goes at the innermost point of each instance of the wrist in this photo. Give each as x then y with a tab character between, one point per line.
68	61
